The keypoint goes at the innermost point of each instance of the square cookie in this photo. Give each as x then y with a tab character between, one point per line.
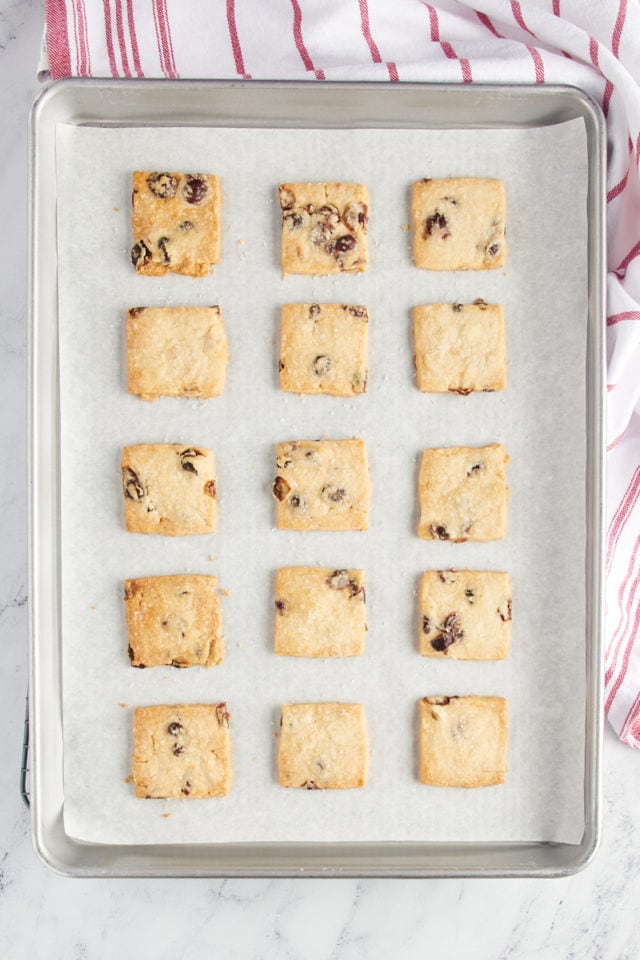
176	352
176	223
169	489
459	224
324	227
322	485
465	614
459	347
182	751
319	613
175	620
323	746
463	493
463	741
323	349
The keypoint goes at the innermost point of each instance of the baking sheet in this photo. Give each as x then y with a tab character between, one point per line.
540	419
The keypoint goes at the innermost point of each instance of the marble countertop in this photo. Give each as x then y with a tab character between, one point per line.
592	915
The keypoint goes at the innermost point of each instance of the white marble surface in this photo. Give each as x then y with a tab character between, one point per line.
593	915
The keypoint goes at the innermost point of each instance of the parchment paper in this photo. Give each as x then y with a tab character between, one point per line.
540	418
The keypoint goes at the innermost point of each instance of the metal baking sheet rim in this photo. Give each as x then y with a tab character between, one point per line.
217	103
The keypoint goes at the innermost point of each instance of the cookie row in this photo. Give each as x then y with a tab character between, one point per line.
183	351
320	485
185	750
176	620
458	224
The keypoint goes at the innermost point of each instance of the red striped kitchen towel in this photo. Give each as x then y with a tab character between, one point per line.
593	44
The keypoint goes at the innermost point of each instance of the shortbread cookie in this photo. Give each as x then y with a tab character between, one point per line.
323	349
169	489
322	485
324	227
176	223
323	746
459	347
459	224
182	751
175	620
463	741
465	614
176	352
463	493
319	613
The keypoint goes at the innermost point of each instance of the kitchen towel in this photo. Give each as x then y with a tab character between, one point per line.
592	44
